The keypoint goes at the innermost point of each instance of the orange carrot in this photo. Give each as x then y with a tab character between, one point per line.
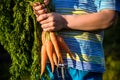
44	58
56	47
55	58
64	46
49	48
43	37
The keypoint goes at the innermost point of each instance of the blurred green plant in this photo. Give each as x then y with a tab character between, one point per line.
19	36
112	52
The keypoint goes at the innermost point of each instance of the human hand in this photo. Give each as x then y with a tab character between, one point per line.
48	21
52	21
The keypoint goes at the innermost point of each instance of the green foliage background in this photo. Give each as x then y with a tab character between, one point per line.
20	43
112	52
20	37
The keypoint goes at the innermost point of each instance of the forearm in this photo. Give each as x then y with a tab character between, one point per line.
90	22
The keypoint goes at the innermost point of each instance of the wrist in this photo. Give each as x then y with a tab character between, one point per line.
65	21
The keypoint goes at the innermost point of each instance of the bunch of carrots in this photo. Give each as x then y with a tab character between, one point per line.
51	46
52	43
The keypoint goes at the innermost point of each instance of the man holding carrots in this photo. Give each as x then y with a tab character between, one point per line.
81	24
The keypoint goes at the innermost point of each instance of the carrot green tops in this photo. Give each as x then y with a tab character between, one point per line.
86	46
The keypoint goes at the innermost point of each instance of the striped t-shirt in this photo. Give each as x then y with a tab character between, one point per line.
85	45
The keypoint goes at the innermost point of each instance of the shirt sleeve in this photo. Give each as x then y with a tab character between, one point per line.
106	4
